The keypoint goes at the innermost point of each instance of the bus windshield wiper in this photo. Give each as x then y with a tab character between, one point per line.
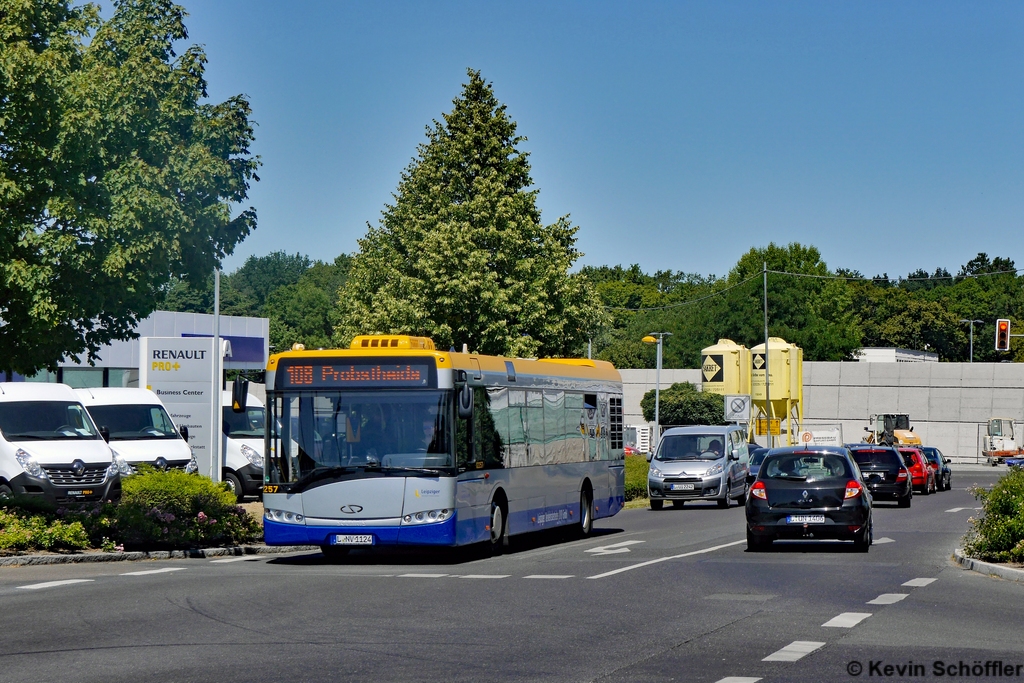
328	472
422	470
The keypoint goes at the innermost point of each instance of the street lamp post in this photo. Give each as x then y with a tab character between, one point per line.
657	338
971	322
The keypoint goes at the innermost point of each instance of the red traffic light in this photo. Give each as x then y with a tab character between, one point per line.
1002	334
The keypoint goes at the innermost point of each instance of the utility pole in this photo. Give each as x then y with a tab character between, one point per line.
971	322
657	338
767	374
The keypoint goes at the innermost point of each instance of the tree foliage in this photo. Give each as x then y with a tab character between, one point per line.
684	404
462	256
114	174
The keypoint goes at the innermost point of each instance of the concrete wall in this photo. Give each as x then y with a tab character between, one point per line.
946	401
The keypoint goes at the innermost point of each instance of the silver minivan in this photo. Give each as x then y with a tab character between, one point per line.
699	463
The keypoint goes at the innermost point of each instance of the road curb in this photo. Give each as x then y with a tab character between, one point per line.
80	558
1008	573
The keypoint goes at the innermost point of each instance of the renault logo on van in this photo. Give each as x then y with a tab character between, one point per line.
351	509
78	467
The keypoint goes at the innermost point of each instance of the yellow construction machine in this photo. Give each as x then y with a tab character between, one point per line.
891	429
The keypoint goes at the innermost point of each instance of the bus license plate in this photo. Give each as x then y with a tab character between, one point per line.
682	487
351	539
806	519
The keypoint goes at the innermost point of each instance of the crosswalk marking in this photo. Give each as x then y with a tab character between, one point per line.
847	620
54	584
155	571
798	649
887	599
917	583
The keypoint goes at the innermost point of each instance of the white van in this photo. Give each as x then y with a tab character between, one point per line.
51	448
138	428
242	446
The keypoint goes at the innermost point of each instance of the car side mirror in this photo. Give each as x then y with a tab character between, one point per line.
183	430
947	460
105	433
649	456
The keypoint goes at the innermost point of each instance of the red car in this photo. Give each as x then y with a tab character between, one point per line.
922	476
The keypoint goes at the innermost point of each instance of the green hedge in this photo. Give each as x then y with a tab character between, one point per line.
636	477
997	535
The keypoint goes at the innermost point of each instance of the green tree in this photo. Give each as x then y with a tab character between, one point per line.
462	255
261	275
304	312
684	404
115	176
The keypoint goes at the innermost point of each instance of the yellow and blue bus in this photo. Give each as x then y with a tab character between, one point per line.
392	442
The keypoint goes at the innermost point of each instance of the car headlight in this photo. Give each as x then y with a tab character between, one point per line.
715	469
427	516
192	467
655	472
283	516
29	464
119	465
252	455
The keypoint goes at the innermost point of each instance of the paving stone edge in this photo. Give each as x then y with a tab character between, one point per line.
1008	573
77	558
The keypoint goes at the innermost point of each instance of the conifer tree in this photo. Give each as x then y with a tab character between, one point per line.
462	256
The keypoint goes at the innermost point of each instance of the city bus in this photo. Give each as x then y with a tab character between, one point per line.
392	442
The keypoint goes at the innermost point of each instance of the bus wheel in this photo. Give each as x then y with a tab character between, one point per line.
586	513
499	532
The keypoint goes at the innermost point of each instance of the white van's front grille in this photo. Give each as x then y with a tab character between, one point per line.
64	475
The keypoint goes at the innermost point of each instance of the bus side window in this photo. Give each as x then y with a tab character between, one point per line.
464	455
490	426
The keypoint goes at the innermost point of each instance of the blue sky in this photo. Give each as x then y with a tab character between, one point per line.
677	135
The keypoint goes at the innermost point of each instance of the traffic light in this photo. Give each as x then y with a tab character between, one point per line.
1002	335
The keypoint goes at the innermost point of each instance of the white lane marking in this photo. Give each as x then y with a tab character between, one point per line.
917	583
613	549
155	571
737	679
956	509
54	584
887	598
549	576
484	576
798	649
421	576
235	559
665	559
847	620
883	539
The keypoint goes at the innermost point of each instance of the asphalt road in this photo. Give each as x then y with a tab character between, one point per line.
652	596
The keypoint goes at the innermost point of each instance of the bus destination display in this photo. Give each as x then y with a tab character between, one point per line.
323	375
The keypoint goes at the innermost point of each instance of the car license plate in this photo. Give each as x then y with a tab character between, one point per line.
805	519
682	487
80	492
352	539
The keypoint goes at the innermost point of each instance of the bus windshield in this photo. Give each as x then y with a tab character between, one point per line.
323	433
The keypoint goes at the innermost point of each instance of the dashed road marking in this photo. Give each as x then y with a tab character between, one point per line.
847	620
882	540
737	679
956	509
549	576
612	549
54	584
887	599
484	576
155	571
232	559
917	583
798	649
665	559
421	576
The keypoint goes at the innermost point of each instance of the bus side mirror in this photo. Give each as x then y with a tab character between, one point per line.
239	394
183	430
465	399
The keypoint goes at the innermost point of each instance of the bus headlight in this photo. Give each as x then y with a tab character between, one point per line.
252	455
283	516
427	517
29	464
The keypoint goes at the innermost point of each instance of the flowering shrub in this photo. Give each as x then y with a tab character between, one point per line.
998	534
20	531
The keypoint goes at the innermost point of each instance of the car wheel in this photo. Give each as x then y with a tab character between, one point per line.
6	492
935	487
234	484
904	501
678	503
742	497
657	504
924	489
949	482
862	544
756	544
723	502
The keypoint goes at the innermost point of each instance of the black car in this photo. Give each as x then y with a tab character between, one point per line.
940	464
808	492
884	473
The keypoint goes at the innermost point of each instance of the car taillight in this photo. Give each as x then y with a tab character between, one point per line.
852	489
758	490
902	475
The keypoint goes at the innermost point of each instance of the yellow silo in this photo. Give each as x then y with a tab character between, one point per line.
785	384
725	368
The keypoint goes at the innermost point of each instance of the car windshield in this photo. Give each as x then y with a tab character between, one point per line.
45	421
757	456
808	467
876	457
247	424
690	447
134	422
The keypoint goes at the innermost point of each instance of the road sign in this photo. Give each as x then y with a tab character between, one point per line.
762	426
737	408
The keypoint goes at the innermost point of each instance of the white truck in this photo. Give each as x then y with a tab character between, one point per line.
999	442
242	445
